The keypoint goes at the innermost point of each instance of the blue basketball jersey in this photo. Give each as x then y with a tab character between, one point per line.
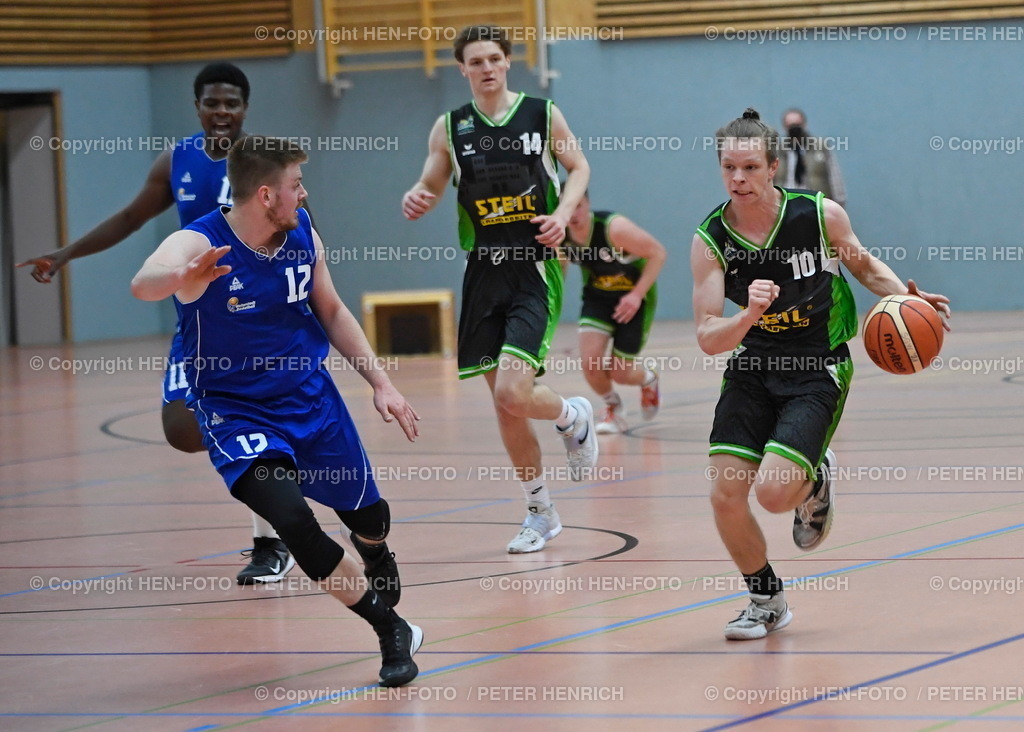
252	334
199	183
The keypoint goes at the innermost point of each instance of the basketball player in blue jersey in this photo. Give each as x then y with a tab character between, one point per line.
620	263
258	314
193	177
777	253
503	149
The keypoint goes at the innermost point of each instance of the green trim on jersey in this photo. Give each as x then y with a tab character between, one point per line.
819	202
842	373
713	246
554	192
550	161
551	272
746	243
842	316
456	170
608	231
467	231
725	448
508	115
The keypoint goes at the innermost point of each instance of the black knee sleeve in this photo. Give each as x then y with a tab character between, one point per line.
370	522
269	488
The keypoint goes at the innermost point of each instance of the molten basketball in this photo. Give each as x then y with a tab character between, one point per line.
902	334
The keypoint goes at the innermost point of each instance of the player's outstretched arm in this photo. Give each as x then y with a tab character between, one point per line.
428	190
184	264
154	198
345	334
623	234
715	333
869	270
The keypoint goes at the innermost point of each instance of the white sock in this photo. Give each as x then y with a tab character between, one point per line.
612	398
568	416
261	527
536	492
649	377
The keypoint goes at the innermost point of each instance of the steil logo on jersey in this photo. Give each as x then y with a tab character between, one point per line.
216	419
236	285
187	178
182	196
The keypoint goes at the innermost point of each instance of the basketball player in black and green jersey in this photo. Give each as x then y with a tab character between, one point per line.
777	254
620	263
502	149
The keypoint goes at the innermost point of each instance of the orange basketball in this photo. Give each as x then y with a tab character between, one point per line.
903	334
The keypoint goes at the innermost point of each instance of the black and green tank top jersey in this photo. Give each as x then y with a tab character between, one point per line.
815	312
505	172
607	271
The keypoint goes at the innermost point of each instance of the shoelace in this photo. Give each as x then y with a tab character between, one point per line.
757	614
262	557
392	644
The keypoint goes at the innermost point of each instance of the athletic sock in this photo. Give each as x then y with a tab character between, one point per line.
567	417
649	377
373	610
763	582
536	492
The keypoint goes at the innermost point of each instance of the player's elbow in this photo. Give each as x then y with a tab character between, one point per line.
708	347
141	288
713	343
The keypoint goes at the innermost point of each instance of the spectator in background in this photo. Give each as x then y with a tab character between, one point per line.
807	162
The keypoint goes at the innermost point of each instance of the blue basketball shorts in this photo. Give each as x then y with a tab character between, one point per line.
311	426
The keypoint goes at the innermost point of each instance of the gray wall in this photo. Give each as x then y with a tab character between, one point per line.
99	106
887	99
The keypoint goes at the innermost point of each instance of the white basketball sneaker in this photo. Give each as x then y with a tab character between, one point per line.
540	526
580	439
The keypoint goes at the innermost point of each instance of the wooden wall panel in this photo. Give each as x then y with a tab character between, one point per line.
141	31
660	18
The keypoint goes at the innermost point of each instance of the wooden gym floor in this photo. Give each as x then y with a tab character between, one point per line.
119	609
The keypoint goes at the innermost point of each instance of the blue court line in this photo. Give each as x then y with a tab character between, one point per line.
693	606
873	682
674	611
470	652
506	715
617	497
44	588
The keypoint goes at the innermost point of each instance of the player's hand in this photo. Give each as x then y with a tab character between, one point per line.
552	229
392	405
415	203
629	305
760	295
204	269
939	302
45	267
